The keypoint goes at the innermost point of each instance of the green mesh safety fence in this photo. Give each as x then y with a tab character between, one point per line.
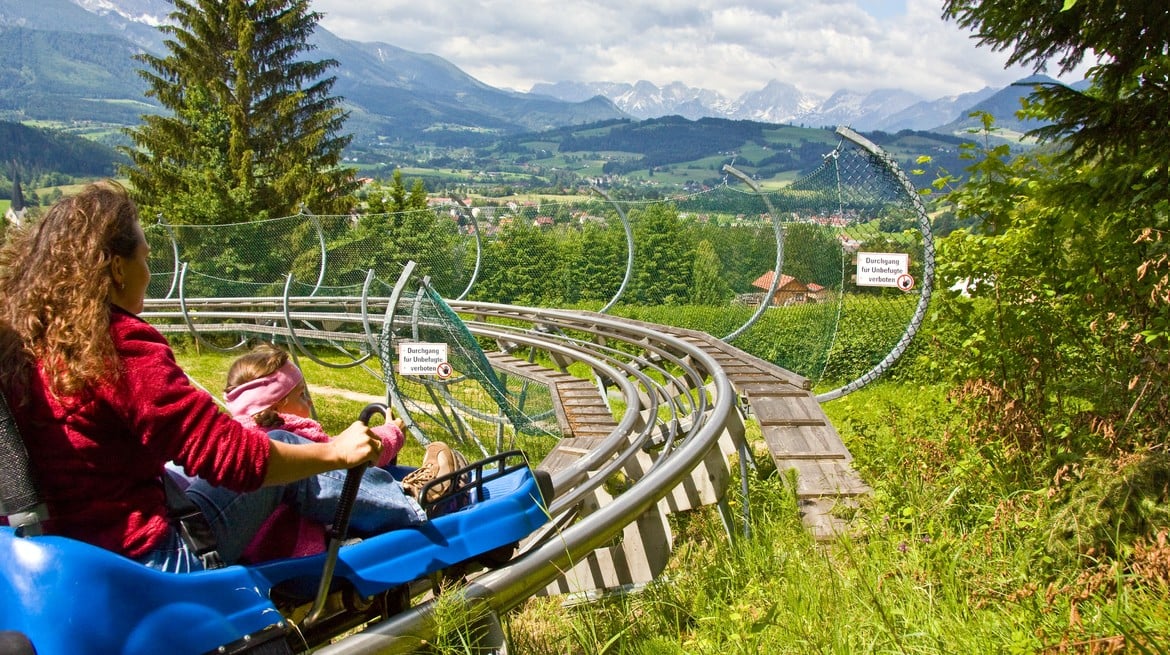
324	254
463	397
826	275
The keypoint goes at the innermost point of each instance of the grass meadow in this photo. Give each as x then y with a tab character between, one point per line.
950	554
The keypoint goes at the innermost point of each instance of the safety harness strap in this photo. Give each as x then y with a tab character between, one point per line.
192	525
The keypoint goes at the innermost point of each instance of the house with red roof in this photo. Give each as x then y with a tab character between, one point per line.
790	291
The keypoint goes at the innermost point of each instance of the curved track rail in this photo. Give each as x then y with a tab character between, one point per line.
674	404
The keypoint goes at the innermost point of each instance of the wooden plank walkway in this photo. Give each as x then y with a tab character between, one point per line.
797	432
799	436
582	412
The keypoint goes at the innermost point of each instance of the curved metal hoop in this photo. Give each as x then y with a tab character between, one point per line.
174	257
292	333
185	311
629	249
778	230
466	211
928	267
324	252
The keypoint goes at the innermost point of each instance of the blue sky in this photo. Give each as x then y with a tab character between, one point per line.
819	46
882	9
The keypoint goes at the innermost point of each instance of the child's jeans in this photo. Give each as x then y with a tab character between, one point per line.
381	505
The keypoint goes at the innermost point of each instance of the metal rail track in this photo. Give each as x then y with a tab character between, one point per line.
677	402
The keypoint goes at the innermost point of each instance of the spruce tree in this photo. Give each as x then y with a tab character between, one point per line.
708	286
1120	123
250	129
663	259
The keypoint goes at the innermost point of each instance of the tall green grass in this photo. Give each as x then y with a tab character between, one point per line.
946	556
958	550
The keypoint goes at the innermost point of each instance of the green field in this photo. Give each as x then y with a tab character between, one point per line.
948	555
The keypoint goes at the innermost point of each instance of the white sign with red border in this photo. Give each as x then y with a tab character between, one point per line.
418	358
884	269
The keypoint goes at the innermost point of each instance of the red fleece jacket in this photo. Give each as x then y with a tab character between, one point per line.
98	457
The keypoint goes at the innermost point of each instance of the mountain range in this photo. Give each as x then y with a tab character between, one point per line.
71	60
888	110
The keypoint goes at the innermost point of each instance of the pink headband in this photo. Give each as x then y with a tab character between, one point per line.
255	396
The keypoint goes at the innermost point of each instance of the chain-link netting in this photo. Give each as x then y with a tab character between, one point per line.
327	288
323	255
462	395
826	276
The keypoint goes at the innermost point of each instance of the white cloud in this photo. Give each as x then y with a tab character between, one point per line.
820	47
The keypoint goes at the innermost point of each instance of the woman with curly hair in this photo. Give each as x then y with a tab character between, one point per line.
102	404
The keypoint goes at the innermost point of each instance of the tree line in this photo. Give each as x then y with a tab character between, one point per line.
41	157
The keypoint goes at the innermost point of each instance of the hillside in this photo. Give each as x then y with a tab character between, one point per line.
421	97
678	152
39	151
134	26
59	76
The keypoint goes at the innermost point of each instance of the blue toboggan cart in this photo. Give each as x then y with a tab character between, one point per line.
59	595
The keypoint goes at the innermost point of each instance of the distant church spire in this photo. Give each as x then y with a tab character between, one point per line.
17	194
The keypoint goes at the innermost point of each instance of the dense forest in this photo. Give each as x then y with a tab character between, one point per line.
68	77
45	157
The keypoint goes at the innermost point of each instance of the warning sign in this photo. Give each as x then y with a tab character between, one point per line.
422	358
883	269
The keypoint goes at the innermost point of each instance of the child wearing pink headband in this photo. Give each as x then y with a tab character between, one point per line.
265	389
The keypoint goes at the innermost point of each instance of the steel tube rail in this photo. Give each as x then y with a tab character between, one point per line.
505	588
658	392
573	482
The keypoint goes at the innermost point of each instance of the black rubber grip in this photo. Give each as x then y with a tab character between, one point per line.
353	480
369	410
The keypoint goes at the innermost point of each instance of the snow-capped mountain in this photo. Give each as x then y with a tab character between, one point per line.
861	110
148	12
642	99
777	102
404	90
